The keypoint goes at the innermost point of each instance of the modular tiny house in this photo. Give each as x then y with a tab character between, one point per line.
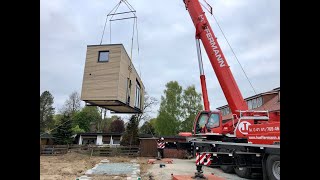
111	81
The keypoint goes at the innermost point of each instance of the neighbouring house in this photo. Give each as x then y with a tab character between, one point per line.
269	100
112	139
46	139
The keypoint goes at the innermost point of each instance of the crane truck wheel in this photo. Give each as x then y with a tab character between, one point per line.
243	172
226	169
273	167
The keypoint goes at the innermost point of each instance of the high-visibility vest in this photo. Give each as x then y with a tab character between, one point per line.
160	145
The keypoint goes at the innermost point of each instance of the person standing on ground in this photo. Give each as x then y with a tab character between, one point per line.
160	146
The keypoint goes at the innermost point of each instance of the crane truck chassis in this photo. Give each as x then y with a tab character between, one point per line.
243	158
240	155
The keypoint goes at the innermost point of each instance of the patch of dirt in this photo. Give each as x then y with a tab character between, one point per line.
144	167
72	165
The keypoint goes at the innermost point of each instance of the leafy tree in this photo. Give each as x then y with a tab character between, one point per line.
46	110
153	122
56	121
131	136
170	113
191	106
72	104
77	130
86	117
117	126
63	133
106	123
147	128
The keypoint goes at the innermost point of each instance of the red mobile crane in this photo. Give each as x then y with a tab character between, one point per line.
251	140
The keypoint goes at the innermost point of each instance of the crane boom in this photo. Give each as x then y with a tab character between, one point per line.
216	57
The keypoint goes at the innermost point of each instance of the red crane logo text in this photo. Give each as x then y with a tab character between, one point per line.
214	47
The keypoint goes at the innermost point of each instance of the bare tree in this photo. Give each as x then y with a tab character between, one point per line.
72	104
149	102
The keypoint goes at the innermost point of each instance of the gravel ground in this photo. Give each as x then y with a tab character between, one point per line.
114	168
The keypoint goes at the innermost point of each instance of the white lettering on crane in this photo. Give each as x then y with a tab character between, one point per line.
214	47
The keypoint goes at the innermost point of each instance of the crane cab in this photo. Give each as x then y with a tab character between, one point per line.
208	122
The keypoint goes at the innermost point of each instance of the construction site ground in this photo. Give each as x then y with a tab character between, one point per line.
73	165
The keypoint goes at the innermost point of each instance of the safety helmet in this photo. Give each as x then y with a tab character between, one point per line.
161	138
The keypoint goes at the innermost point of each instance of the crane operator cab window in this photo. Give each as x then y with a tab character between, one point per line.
213	121
201	123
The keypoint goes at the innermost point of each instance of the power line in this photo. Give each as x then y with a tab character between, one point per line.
56	127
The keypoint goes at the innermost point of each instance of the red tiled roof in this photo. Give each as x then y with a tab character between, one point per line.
272	105
273	91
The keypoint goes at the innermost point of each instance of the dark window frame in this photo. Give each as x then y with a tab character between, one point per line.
139	95
99	56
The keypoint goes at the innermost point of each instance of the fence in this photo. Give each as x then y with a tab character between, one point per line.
116	151
53	149
95	150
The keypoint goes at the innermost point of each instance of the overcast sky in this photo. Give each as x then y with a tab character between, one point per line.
167	45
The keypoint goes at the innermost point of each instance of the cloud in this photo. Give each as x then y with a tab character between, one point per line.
167	45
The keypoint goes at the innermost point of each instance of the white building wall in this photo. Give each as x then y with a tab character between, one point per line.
111	141
80	140
99	140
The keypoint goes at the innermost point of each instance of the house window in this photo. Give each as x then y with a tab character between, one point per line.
259	102
103	56
106	139
89	141
249	104
225	111
255	103
116	139
137	102
128	90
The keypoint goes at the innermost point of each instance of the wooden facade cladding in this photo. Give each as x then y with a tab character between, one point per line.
105	83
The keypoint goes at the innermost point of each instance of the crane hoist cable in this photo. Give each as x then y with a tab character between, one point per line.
105	24
210	11
136	20
135	23
114	12
234	54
